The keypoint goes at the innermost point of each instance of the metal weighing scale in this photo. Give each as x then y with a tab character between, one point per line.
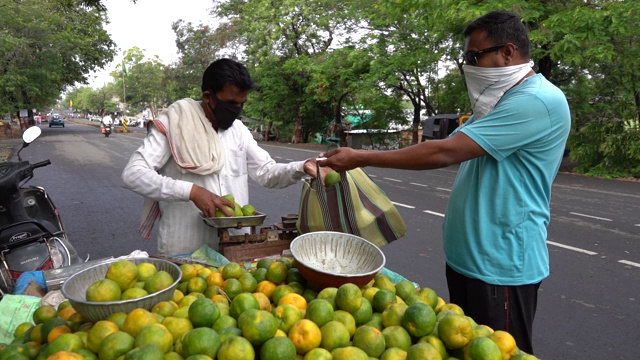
259	243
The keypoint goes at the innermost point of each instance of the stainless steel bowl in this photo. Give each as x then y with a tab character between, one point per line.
75	287
330	259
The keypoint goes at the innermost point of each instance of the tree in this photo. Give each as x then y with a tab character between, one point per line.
408	54
198	47
343	77
44	49
93	101
294	32
143	82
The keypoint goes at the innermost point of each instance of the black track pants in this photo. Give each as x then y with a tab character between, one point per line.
508	308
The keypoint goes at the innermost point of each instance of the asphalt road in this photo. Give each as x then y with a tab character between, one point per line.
588	307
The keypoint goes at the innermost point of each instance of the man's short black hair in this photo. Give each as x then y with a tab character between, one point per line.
224	71
502	27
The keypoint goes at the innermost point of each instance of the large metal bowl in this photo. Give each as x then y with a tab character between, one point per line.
75	287
330	259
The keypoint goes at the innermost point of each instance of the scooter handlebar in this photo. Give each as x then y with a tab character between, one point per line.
41	164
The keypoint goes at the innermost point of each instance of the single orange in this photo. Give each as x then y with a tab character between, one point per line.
44	313
294	299
215	278
266	287
263	300
124	273
305	335
57	331
99	332
67	312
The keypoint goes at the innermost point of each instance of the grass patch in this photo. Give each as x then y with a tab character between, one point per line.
5	151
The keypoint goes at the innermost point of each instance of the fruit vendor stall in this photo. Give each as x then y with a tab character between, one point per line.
328	297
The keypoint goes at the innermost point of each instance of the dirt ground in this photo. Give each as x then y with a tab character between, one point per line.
7	148
5	151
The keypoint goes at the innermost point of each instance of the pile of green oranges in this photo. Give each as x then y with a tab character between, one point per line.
125	280
268	313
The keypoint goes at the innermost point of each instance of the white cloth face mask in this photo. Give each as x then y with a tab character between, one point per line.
486	85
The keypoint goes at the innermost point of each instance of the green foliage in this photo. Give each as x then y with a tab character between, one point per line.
606	148
143	83
316	61
198	46
285	46
46	46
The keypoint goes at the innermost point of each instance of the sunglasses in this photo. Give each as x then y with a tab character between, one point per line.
471	57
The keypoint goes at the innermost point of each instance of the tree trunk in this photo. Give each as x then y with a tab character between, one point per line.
268	131
338	127
416	124
546	65
297	131
30	120
22	121
636	97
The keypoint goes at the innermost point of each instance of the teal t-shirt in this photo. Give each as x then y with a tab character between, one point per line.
495	227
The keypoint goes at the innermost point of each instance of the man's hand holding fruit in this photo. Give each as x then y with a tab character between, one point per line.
209	202
213	205
310	169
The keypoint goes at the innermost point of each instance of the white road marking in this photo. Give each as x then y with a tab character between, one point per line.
433	213
289	159
277	157
371	175
627	262
443	189
403	205
416	184
291	148
572	248
637	225
396	180
590	216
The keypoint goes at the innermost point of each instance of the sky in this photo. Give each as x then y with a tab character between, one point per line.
147	25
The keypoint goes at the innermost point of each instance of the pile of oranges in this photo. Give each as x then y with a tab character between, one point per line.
267	313
125	280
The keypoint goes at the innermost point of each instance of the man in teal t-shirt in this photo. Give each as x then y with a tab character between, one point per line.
495	228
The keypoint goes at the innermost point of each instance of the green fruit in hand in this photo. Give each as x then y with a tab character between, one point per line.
331	178
248	210
238	210
219	212
230	198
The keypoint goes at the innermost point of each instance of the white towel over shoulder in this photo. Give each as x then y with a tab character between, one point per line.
195	145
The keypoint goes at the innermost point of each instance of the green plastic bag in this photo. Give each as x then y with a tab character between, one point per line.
14	310
207	255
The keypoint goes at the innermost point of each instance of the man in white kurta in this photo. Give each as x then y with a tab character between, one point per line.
152	172
195	153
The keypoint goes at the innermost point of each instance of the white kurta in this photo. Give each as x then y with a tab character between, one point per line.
153	173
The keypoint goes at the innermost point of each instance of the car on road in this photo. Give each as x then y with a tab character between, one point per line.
56	120
442	125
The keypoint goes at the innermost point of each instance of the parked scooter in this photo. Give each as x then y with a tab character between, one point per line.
106	130
32	236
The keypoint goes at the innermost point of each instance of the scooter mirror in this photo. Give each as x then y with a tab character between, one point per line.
32	133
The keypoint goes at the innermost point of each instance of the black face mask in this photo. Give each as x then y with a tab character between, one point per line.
225	113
